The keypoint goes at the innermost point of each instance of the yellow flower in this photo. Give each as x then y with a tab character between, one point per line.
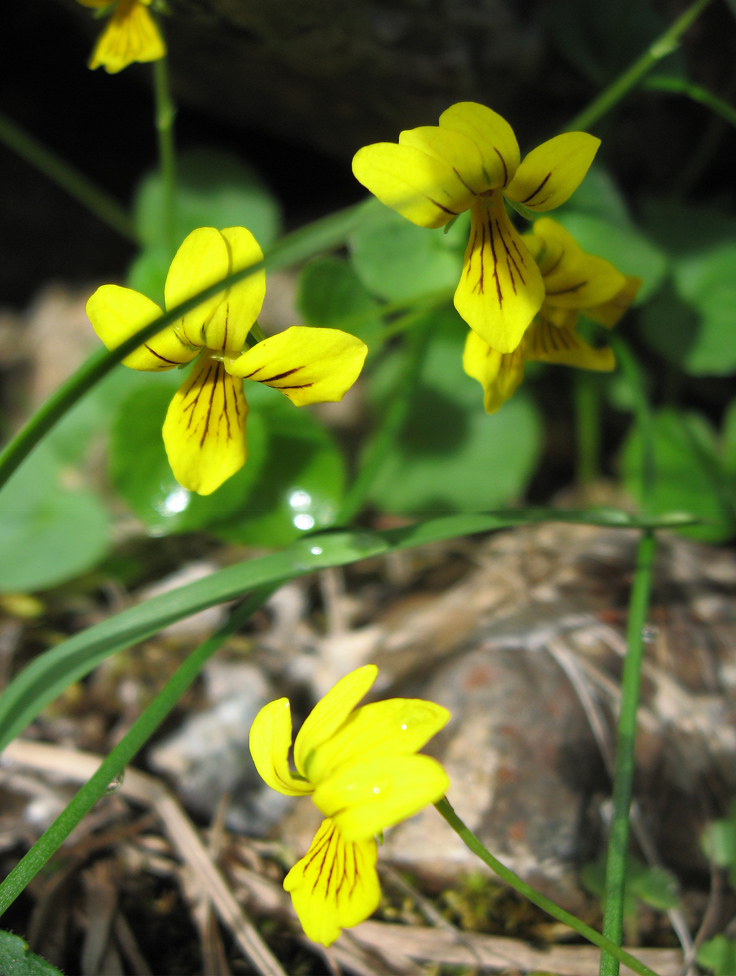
471	161
362	770
574	282
131	35
204	430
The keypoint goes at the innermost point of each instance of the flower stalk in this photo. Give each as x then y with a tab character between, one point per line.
165	114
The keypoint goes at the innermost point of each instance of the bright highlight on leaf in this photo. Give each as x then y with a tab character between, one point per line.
470	162
130	35
204	431
574	282
362	769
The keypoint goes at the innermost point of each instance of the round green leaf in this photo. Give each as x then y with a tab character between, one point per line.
707	283
331	295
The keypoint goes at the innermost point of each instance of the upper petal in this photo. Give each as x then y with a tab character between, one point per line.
330	712
335	885
204	430
498	373
549	344
454	150
118	313
573	278
421	187
608	313
308	365
493	136
373	794
500	289
553	171
240	305
270	741
131	35
202	259
399	726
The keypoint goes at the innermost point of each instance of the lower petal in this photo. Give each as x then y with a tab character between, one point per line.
131	35
335	885
548	344
501	288
204	430
498	373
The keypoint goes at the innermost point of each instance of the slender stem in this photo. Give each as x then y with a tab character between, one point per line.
391	424
624	768
70	179
472	842
664	45
165	114
680	86
114	764
295	247
587	427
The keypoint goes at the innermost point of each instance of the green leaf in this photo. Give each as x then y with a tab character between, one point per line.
301	480
686	230
654	886
719	842
49	531
707	283
213	189
51	672
16	959
728	440
397	260
330	294
140	470
670	326
624	246
689	474
719	955
597	196
451	455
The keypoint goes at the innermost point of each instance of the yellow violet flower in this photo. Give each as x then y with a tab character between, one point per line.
472	161
130	35
204	430
361	767
574	282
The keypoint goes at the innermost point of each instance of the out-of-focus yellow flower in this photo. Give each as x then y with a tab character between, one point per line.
131	35
472	161
574	282
204	430
361	767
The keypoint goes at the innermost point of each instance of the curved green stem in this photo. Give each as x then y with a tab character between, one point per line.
165	113
472	842
70	179
680	86
624	770
114	764
664	45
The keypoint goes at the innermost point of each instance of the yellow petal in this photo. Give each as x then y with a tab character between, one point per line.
204	430
500	289
399	726
131	35
552	172
308	365
548	344
335	885
270	741
239	306
610	312
376	793
455	150
202	259
420	187
330	712
573	278
498	373
493	136
97	4
117	313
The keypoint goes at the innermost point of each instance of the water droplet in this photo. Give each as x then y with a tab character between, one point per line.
300	500
304	521
316	550
114	785
649	634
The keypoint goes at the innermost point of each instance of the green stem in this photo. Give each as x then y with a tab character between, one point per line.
644	418
472	842
295	247
624	769
114	764
391	425
664	45
587	427
70	179
680	86
165	114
